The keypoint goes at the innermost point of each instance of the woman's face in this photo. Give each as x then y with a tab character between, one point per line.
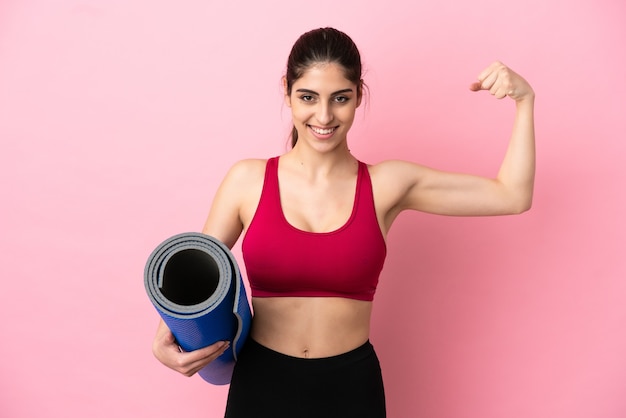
323	104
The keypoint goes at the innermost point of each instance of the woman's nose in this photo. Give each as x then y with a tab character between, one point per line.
324	114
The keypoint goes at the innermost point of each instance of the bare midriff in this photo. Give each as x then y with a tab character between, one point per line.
311	327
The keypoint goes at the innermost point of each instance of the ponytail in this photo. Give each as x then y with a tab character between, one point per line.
294	136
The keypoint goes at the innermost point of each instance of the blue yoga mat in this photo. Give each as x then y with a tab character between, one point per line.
194	282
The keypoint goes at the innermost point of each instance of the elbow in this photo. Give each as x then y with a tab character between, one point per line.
521	206
518	200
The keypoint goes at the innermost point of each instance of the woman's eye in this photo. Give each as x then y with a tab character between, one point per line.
341	99
306	98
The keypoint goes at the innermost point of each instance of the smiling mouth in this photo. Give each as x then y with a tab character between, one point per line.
322	131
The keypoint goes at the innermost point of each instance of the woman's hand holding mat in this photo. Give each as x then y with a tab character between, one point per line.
167	351
194	282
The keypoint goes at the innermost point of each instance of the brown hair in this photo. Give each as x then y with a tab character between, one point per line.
324	45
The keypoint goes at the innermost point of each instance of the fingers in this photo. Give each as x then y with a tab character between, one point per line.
476	86
189	363
495	79
489	70
501	81
166	350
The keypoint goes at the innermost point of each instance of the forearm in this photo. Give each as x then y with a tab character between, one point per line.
517	172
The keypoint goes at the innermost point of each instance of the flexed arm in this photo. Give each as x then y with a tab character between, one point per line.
517	170
402	185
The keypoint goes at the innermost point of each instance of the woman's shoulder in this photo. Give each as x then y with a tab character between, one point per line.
243	179
247	169
391	181
392	178
393	168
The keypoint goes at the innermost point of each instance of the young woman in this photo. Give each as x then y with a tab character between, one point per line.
315	221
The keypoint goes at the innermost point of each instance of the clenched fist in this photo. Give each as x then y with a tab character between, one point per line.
501	81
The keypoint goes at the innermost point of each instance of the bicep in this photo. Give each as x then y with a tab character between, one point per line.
222	224
456	194
410	186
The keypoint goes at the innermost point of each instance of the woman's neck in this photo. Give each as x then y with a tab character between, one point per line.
315	164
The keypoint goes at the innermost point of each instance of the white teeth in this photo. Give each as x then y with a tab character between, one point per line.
323	131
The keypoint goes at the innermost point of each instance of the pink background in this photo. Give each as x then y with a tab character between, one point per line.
119	118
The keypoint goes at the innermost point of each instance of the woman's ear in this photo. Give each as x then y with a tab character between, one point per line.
359	93
286	92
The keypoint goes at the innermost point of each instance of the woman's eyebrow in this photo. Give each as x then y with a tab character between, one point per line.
317	94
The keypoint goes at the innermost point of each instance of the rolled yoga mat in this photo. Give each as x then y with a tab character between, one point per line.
194	282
